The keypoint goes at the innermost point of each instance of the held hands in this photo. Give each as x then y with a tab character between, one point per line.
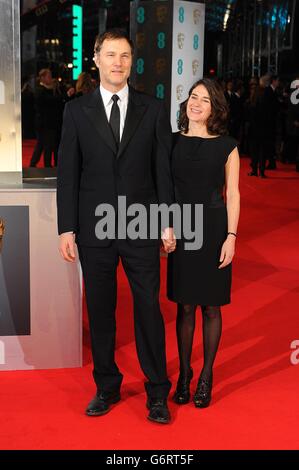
227	252
67	247
169	240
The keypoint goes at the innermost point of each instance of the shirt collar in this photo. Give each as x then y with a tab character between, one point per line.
106	94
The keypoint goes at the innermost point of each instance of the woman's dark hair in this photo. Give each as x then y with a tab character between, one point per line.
217	122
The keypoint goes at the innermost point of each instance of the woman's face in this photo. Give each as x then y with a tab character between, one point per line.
199	107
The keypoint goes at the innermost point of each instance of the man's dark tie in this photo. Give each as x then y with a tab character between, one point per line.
115	119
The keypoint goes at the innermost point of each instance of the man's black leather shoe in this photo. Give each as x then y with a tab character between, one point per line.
158	410
100	404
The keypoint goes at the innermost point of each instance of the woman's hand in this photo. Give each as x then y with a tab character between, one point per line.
227	251
169	240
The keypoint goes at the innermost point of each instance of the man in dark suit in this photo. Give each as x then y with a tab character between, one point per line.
49	102
117	142
271	103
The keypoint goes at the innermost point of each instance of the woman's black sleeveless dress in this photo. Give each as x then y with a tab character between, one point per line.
198	168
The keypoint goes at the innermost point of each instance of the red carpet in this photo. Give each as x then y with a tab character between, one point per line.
255	400
28	147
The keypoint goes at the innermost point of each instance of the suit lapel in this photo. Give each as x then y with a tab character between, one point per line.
135	112
96	113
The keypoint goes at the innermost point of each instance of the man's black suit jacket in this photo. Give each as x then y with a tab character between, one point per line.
271	103
92	171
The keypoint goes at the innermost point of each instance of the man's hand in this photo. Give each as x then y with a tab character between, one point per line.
169	240
67	247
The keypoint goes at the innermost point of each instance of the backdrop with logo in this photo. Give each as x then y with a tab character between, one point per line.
14	271
10	93
187	51
169	39
40	294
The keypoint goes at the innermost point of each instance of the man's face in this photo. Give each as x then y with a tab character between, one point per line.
230	86
114	62
276	83
47	78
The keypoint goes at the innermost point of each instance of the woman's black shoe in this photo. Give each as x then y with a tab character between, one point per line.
182	393
203	394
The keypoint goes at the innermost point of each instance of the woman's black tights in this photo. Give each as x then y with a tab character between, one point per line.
185	326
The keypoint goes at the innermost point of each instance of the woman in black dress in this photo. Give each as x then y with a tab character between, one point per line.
205	164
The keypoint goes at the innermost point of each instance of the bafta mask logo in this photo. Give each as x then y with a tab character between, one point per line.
160	66
161	14
140	40
140	87
2	228
181	39
196	16
179	92
195	66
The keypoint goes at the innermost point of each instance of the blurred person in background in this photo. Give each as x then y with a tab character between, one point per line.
272	105
49	104
291	147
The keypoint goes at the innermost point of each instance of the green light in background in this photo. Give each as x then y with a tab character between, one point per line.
77	40
106	3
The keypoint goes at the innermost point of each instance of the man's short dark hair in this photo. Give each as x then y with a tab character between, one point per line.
274	78
110	34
